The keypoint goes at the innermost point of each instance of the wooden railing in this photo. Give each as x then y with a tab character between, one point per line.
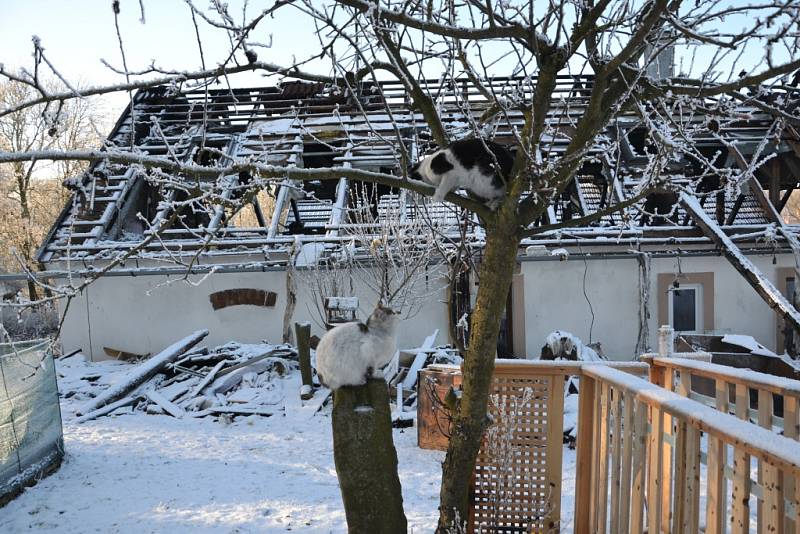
517	482
642	467
518	477
648	459
768	401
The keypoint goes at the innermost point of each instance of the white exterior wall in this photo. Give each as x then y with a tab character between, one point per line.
144	314
554	300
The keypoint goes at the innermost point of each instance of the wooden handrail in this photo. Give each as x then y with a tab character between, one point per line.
733	375
757	441
562	367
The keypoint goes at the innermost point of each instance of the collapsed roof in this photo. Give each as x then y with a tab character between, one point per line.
309	125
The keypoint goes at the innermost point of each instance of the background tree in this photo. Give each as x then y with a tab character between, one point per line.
620	45
31	192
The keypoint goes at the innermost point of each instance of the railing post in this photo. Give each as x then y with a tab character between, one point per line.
584	468
555	446
666	340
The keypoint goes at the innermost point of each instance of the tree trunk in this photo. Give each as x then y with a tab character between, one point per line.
469	422
291	302
366	460
27	243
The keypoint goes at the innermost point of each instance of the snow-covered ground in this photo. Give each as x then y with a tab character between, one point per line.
154	473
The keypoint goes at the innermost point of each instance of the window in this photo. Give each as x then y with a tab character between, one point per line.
688	308
685	308
784	334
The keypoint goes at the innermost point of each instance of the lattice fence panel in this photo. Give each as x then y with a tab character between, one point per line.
516	487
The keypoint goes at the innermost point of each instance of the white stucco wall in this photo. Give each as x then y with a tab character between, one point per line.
144	314
554	299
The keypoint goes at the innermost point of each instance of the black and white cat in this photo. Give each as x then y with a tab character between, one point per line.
467	164
348	354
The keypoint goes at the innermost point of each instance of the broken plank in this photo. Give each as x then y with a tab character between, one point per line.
771	295
141	373
236	410
273	352
207	380
108	408
315	404
419	360
168	406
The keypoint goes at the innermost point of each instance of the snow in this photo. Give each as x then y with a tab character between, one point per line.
138	473
134	472
141	373
562	343
749	343
309	254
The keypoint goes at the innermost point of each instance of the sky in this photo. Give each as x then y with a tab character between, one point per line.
77	34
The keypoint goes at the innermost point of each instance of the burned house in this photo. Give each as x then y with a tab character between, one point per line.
718	261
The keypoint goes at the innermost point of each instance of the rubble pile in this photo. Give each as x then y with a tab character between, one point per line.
229	380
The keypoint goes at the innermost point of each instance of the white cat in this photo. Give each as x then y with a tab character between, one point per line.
348	354
467	164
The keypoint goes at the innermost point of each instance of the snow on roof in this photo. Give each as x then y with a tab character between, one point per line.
312	125
749	343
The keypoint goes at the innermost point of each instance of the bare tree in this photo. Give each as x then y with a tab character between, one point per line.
565	83
31	192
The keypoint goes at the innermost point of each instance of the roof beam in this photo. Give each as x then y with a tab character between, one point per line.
771	295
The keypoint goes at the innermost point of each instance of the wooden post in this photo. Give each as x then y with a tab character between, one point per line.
638	469
555	446
627	460
716	492
667	452
655	448
602	467
740	483
366	460
584	507
303	334
691	506
616	456
770	511
791	430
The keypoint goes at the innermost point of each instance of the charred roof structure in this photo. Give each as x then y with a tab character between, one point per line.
311	125
721	198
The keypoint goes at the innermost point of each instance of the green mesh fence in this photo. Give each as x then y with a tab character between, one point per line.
31	440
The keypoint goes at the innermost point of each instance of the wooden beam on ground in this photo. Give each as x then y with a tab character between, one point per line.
274	352
771	295
198	389
143	372
108	408
171	408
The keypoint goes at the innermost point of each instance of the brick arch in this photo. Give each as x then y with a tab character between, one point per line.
242	296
